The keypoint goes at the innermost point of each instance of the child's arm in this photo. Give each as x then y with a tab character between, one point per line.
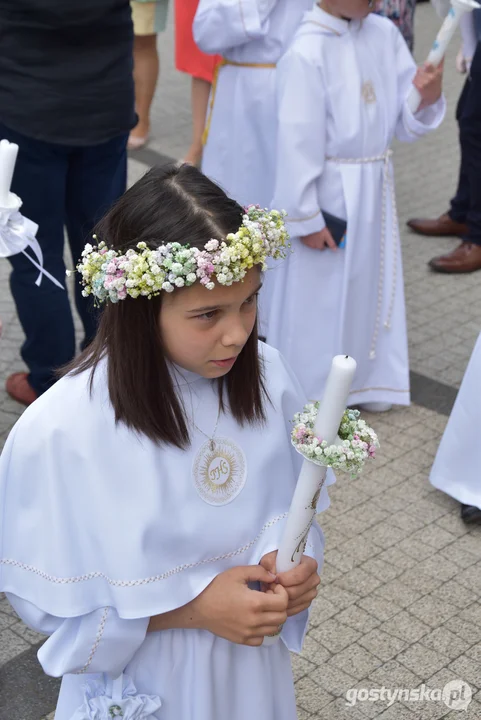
410	127
223	24
301	143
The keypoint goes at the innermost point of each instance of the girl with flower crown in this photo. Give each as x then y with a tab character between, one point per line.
156	475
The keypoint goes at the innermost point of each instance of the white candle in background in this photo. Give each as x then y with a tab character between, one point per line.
448	28
8	157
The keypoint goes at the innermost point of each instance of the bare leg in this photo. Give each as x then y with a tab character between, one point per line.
146	72
199	101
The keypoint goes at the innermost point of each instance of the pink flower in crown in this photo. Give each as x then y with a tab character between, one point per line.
108	282
122	293
204	280
111	267
103	251
372	451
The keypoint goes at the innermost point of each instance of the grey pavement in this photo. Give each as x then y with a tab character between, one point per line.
400	599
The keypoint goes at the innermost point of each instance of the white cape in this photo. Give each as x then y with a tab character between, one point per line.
103	529
457	466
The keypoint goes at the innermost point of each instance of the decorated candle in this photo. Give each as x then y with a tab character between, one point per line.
438	50
8	156
312	476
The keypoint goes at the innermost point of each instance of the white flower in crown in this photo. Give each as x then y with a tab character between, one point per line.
109	274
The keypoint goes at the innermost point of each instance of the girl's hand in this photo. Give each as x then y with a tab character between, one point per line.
301	583
319	240
429	82
230	609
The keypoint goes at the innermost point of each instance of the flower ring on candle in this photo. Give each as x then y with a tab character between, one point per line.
357	442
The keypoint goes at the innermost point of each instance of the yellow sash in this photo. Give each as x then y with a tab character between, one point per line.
213	92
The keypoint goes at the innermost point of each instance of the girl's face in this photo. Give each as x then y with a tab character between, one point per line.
205	330
347	9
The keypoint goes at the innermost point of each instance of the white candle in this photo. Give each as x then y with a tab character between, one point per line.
311	478
8	157
438	50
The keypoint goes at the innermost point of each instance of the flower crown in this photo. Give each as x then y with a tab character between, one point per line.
109	274
356	443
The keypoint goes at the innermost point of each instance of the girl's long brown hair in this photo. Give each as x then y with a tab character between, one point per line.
169	204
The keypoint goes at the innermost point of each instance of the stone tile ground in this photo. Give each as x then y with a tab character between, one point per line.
400	600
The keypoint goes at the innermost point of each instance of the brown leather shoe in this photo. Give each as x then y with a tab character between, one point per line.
443	226
20	389
465	259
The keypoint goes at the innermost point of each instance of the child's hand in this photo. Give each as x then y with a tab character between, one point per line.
319	240
230	609
301	583
429	82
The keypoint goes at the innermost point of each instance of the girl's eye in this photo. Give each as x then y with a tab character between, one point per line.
208	315
252	299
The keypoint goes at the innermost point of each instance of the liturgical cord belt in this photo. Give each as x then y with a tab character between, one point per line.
387	186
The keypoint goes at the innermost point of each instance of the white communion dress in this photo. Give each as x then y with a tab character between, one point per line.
102	529
457	466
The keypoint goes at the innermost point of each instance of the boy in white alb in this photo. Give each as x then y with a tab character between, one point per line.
342	97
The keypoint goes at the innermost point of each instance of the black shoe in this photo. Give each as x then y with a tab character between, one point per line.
470	514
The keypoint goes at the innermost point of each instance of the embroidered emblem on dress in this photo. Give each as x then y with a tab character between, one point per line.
219	473
368	93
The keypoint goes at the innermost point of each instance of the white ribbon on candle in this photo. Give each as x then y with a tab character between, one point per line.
17	233
438	50
312	476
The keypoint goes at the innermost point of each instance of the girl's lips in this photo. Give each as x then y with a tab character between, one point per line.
225	363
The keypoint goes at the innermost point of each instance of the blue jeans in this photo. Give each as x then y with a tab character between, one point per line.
466	205
61	187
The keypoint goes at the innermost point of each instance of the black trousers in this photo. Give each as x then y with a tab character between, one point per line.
466	205
61	187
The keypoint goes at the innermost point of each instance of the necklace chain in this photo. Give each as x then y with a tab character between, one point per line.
210	438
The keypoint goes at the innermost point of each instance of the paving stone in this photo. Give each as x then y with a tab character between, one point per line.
334	636
455	593
422	661
433	535
399	593
432	611
311	697
416	549
322	610
445	642
406	627
394	675
358	619
314	653
303	715
332	680
385	535
337	596
472	712
418	580
397	712
396	557
360	549
459	557
427	510
11	645
468	670
379	607
356	661
471	578
27	634
301	666
382	645
439	567
358	581
465	629
338	710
